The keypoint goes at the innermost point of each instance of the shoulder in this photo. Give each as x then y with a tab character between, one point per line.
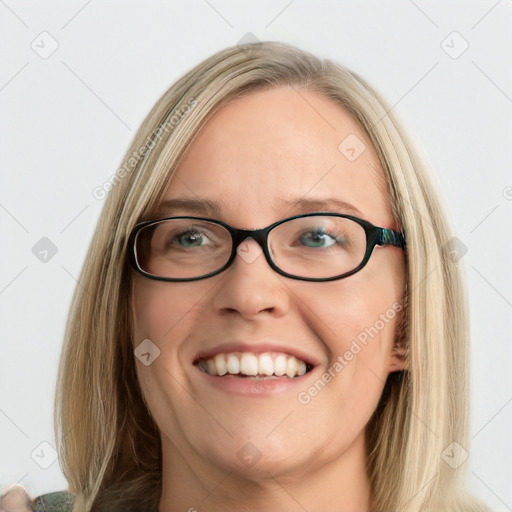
61	501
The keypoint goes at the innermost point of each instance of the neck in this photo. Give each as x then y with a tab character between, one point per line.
193	485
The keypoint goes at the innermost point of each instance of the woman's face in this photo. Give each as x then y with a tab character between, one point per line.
254	156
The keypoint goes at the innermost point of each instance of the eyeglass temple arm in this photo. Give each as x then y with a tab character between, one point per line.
391	237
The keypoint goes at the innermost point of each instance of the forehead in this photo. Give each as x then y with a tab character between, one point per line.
261	153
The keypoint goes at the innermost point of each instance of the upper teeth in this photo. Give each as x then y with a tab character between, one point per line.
247	363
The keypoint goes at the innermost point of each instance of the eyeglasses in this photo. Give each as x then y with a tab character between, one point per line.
313	247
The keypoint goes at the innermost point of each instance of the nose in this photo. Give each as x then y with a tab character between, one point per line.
250	286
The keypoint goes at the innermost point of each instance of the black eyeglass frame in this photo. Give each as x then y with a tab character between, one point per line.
374	236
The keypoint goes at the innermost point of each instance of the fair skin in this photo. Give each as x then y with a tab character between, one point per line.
257	151
15	500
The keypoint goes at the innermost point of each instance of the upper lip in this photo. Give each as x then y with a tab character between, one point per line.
256	348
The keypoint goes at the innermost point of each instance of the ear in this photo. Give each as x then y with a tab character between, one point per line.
398	357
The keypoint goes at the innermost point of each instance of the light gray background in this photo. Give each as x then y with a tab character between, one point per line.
67	120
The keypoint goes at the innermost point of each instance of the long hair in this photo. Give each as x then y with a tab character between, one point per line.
108	443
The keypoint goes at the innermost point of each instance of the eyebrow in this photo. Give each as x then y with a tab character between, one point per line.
209	208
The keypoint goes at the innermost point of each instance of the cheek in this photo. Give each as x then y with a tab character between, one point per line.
347	316
356	320
159	309
164	313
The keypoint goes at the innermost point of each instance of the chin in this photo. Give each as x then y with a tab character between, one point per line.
255	458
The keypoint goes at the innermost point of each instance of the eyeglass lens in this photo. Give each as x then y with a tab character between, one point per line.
314	247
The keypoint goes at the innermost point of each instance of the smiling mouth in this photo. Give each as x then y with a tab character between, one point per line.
267	365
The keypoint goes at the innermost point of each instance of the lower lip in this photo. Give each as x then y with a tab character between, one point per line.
248	386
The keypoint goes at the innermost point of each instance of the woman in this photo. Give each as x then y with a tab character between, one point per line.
318	364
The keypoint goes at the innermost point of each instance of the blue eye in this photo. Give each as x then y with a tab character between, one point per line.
318	237
192	236
189	237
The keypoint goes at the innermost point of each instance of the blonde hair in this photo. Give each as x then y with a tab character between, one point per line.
108	443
